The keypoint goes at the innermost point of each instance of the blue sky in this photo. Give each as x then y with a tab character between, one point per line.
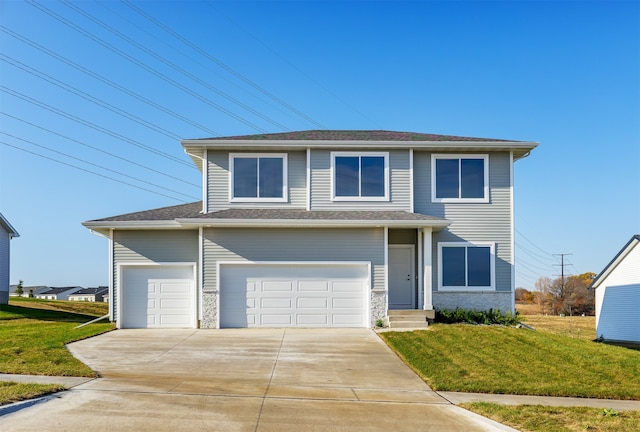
565	74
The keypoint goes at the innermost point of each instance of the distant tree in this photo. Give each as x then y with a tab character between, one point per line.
31	293
19	289
520	293
543	285
569	296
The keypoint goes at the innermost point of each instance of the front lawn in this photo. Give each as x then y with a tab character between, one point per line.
507	360
533	418
34	334
14	392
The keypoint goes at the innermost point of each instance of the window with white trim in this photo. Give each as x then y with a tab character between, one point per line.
466	266
257	177
459	178
360	176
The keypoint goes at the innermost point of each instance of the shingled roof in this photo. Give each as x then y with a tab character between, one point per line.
190	215
355	135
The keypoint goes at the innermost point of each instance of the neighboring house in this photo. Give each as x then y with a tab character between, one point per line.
90	294
58	293
7	232
37	289
322	229
618	296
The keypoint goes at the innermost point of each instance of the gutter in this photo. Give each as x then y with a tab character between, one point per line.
278	223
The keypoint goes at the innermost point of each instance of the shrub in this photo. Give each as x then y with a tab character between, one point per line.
472	316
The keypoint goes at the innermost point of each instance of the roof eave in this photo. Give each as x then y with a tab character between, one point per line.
436	225
162	224
626	249
9	228
196	148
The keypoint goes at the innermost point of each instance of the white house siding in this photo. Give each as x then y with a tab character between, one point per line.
618	300
218	182
399	184
153	246
4	265
472	222
255	244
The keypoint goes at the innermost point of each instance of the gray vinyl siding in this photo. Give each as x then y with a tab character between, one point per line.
477	222
4	265
256	244
218	182
153	246
399	184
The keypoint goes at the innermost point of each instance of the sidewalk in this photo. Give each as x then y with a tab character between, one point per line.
68	382
454	398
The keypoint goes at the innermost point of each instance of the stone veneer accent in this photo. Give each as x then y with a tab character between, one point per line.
209	310
480	301
378	309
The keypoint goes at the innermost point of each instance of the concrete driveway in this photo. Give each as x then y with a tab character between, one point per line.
245	380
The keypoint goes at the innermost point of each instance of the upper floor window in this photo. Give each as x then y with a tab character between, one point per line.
360	176
258	177
466	265
460	178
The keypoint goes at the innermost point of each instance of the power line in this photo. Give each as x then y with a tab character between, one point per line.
144	66
531	254
99	150
172	65
532	243
105	80
204	66
93	126
293	66
88	97
95	165
93	172
222	64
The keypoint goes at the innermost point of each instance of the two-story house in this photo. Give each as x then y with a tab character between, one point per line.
322	229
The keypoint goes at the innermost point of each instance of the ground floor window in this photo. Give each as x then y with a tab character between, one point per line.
466	265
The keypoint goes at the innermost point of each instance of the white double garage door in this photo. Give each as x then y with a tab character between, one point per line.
251	295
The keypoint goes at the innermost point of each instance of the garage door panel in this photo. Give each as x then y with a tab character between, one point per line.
276	303
313	286
277	286
283	319
293	295
312	303
312	320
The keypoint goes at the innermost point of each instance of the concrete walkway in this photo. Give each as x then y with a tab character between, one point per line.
454	398
250	380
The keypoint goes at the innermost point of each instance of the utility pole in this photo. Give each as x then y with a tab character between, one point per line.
562	265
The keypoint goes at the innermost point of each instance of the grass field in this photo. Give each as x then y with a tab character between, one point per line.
534	418
34	334
495	359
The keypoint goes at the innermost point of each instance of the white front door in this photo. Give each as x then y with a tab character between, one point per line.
402	294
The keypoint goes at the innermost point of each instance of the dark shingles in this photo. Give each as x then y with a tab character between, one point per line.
160	214
192	211
355	135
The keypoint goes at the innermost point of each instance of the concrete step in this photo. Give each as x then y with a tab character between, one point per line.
408	324
409	318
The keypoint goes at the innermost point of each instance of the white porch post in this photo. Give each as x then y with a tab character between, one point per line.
426	273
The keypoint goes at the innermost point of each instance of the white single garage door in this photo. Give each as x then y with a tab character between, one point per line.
294	295
158	296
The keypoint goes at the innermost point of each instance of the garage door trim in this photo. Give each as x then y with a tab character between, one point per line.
122	267
366	293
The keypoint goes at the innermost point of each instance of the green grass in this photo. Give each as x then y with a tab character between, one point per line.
14	392
34	333
535	418
507	360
